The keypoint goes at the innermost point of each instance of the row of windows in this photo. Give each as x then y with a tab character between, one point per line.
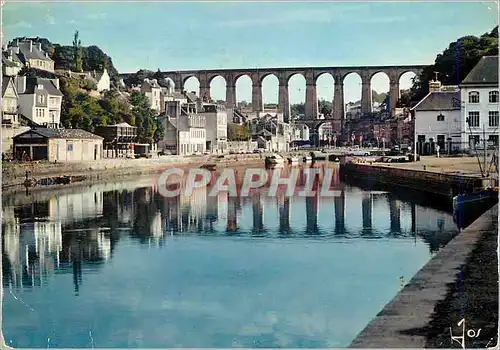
41	99
198	133
40	112
189	148
493	97
474	116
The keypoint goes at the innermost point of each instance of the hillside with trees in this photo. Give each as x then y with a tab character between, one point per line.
453	64
84	108
88	58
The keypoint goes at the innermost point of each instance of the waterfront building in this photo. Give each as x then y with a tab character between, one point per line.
152	90
118	139
40	100
480	103
438	121
215	126
30	54
58	145
184	129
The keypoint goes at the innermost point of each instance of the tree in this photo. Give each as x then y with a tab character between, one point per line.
77	52
325	107
298	108
454	63
146	123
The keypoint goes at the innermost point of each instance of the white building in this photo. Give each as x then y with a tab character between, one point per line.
103	81
184	129
40	100
353	110
30	53
300	132
153	92
216	127
480	108
438	121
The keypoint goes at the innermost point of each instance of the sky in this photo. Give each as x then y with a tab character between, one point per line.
212	35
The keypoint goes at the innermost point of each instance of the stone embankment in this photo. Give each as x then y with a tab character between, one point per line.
432	182
448	288
14	174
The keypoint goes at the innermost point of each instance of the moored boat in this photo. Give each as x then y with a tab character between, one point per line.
462	201
308	159
293	160
274	159
210	167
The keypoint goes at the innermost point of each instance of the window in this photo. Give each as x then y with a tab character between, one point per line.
40	98
493	97
473	139
493	140
440	118
473	119
493	118
474	97
69	147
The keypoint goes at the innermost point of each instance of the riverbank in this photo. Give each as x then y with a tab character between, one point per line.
461	279
441	183
13	174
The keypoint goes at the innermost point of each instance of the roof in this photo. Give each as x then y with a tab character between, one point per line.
123	125
14	58
5	82
439	100
62	133
484	72
191	96
34	53
47	84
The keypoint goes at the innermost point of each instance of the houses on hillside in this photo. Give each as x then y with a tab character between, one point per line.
30	54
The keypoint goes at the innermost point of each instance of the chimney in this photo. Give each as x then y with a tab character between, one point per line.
31	46
39	46
17	50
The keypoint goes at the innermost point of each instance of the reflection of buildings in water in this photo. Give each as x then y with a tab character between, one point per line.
172	213
78	206
32	250
339	203
395	214
367	210
222	206
428	219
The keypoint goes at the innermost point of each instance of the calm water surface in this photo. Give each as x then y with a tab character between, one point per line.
117	265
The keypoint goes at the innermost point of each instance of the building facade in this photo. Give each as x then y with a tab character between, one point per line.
216	127
30	53
184	129
58	145
480	104
153	91
438	121
40	100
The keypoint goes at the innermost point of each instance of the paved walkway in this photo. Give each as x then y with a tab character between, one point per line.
403	321
447	165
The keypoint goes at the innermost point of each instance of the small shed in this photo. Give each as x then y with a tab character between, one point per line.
61	145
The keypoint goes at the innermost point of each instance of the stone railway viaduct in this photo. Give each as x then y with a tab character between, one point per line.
310	74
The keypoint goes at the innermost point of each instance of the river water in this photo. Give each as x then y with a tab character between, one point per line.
118	265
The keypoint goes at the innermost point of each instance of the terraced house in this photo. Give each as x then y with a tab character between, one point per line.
40	100
31	55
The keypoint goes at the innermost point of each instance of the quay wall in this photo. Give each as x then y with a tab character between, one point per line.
403	321
447	185
14	174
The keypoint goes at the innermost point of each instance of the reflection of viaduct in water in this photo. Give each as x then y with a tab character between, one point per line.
71	237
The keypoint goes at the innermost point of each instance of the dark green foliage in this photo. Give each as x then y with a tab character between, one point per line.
237	132
63	55
456	62
77	53
145	120
138	77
